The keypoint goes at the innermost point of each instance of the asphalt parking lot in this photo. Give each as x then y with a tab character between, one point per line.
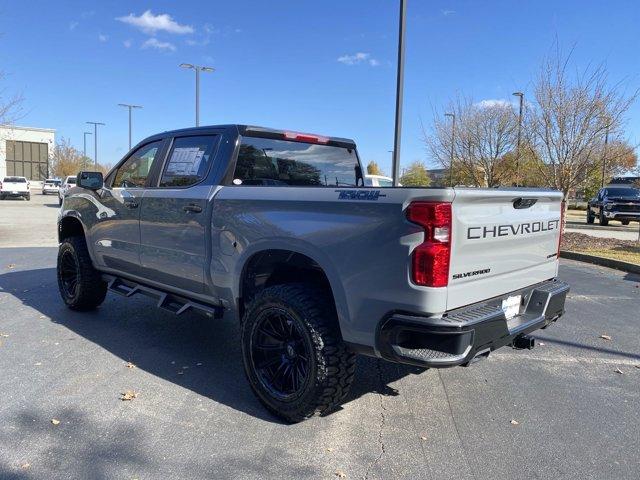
568	409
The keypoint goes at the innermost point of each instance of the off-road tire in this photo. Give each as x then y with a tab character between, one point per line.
90	289
604	221
590	216
331	366
28	198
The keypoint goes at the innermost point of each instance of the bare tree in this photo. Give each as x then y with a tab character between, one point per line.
484	134
66	160
570	118
10	106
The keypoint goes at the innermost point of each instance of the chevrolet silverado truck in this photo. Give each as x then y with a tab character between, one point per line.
614	203
15	187
276	231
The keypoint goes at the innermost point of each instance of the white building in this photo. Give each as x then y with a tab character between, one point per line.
26	151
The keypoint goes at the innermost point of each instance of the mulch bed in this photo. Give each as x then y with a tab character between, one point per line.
579	242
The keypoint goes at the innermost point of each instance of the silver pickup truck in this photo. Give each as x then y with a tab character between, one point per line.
275	231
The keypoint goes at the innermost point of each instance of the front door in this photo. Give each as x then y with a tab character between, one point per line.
116	236
175	213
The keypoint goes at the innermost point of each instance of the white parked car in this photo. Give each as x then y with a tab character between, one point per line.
51	185
68	183
14	187
378	181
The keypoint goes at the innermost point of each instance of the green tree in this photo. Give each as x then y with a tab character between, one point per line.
415	176
373	168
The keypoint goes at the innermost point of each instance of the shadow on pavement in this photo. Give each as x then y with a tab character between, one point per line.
616	353
162	343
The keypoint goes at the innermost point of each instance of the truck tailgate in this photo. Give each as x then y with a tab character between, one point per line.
502	241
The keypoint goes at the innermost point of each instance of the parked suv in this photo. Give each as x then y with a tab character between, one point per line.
51	185
274	230
15	187
614	203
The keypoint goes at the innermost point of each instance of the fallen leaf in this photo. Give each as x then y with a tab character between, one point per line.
617	370
25	465
55	421
128	395
515	422
341	474
37	364
423	437
130	365
11	265
605	337
329	449
541	344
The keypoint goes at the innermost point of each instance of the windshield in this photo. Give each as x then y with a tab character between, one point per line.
623	192
15	179
269	162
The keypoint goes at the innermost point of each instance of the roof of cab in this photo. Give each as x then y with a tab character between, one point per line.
249	130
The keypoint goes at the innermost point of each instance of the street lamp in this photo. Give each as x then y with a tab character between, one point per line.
399	93
197	69
453	143
95	140
84	149
130	107
604	152
520	95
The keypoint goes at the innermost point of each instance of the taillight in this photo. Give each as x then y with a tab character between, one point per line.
430	260
561	227
305	137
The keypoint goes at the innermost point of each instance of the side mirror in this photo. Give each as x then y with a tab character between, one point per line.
90	180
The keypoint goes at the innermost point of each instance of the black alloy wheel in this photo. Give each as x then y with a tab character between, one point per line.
280	353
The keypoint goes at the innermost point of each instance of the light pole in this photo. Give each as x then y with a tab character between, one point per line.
521	97
130	107
604	153
84	149
453	143
197	69
95	140
399	93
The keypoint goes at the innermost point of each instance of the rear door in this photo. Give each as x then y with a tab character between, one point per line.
174	215
116	235
502	240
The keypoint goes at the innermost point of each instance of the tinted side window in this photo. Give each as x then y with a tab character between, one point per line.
264	161
134	172
189	161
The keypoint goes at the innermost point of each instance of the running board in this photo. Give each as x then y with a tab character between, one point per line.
167	301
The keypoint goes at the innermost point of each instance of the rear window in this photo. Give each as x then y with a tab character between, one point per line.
15	179
71	180
52	182
269	162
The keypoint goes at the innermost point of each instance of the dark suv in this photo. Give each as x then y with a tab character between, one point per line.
615	203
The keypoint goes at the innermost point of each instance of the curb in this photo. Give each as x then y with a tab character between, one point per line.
603	262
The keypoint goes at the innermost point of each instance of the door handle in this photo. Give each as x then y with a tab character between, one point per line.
192	208
130	204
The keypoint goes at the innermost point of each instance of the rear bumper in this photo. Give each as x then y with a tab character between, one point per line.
14	194
461	335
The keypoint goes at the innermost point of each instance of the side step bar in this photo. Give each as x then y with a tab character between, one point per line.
167	301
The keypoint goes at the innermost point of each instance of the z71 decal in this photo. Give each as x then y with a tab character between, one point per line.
359	194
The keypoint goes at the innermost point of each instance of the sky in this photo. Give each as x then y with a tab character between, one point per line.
324	67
